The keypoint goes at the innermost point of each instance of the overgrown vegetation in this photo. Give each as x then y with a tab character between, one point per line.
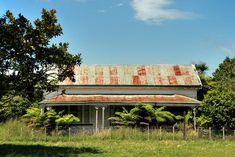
18	140
67	120
12	106
218	106
144	115
30	63
49	120
15	130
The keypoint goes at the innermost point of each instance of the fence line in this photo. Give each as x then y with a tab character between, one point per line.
148	133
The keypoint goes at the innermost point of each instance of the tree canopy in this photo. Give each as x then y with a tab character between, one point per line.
218	109
201	68
29	62
225	74
218	106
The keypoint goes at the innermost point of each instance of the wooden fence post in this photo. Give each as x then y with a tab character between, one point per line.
198	132
57	130
160	131
184	132
148	132
223	133
210	133
21	132
69	133
45	131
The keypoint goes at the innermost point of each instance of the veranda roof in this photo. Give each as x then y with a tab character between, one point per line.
122	99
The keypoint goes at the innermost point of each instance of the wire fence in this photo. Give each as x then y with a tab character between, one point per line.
74	133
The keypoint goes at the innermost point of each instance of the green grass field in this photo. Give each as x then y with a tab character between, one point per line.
119	148
16	140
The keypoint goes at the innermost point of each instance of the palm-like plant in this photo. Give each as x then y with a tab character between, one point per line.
144	114
125	117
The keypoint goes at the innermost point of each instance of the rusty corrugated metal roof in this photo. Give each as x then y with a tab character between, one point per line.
137	75
171	99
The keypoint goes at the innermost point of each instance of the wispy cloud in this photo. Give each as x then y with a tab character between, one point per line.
227	50
120	4
107	9
102	11
156	11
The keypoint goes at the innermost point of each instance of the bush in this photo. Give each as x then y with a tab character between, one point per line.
67	120
48	120
144	115
12	107
218	108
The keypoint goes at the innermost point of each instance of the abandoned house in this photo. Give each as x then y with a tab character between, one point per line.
101	90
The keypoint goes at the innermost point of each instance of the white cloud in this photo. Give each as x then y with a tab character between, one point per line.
156	11
227	50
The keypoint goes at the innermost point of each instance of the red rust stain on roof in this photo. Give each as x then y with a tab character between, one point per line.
128	75
136	80
113	71
99	80
177	70
184	72
188	80
84	79
113	80
159	80
141	71
122	98
172	80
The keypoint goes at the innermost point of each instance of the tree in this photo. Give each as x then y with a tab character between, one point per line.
218	108
201	67
67	120
29	62
33	118
12	106
144	114
225	74
206	81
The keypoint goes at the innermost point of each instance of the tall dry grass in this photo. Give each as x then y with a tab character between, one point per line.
14	130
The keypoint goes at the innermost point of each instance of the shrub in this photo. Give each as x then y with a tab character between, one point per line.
12	107
48	120
144	115
217	109
67	120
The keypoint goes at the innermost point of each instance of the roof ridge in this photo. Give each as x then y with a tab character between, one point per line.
139	64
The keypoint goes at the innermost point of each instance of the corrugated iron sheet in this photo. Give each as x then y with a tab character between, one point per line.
151	75
121	98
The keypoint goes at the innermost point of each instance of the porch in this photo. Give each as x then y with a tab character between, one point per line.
94	110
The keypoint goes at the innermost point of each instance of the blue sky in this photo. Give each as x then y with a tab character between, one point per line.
141	31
